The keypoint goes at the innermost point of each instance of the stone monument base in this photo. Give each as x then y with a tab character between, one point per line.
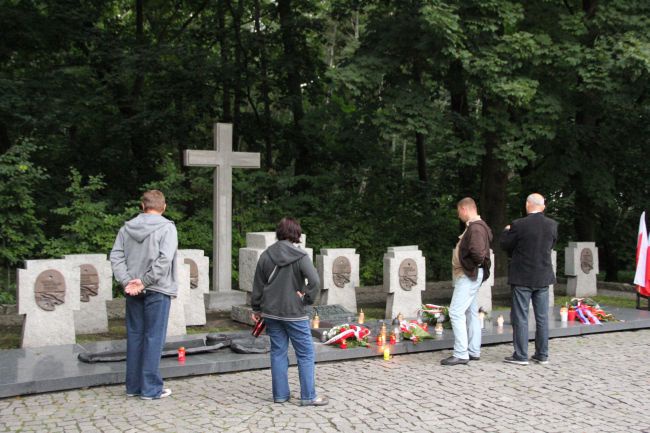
327	313
224	301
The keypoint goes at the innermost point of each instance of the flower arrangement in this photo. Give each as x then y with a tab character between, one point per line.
347	335
589	312
434	314
414	331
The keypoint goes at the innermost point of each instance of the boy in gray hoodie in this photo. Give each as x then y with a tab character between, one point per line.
143	259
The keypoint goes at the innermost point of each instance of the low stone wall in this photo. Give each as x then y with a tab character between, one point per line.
438	292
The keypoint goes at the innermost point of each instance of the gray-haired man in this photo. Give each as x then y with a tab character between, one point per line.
529	242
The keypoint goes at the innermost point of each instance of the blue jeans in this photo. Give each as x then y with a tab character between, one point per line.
299	332
521	297
146	327
463	313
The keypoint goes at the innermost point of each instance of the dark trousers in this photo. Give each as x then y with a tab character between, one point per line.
521	297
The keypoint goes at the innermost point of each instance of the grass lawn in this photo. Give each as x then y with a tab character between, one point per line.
603	301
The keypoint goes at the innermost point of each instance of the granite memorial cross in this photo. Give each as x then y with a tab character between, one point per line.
223	159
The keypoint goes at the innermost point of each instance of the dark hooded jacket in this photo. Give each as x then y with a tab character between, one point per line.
280	273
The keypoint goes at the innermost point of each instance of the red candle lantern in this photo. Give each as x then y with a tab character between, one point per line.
571	315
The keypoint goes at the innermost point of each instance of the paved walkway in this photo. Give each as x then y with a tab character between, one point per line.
597	383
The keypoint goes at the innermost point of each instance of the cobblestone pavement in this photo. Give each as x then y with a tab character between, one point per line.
598	383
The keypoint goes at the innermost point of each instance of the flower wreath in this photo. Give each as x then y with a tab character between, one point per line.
354	335
414	331
589	312
434	314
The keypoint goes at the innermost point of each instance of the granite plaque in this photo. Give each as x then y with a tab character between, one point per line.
89	282
586	260
49	289
341	271
408	274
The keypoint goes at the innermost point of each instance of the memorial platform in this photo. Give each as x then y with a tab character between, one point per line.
55	368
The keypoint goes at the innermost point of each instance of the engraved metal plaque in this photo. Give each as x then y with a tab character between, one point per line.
408	274
586	260
341	271
89	282
49	289
194	273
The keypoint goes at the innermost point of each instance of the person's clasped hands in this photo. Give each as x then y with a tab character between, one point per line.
134	287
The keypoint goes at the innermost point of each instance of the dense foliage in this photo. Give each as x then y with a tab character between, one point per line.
372	117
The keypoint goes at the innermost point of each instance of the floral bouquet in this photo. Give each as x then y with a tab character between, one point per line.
414	331
434	314
346	335
589	312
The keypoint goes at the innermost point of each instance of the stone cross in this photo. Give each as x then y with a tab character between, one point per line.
223	159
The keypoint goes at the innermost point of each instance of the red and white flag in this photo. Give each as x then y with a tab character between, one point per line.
642	275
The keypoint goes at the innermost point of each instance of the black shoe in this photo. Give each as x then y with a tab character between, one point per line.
320	401
474	358
452	360
513	360
542	361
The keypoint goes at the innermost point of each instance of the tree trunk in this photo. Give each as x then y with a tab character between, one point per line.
239	70
585	219
457	88
492	201
266	126
224	53
293	81
419	137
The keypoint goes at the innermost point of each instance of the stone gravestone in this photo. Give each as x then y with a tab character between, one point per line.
485	291
223	160
96	287
551	288
338	269
199	285
404	280
176	323
581	268
48	295
256	243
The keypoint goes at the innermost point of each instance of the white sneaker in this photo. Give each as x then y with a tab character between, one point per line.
165	393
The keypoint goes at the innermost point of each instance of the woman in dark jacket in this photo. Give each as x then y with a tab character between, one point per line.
279	296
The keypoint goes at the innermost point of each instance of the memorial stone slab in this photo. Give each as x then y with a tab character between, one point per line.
176	323
581	268
199	285
551	288
338	269
48	296
96	287
404	280
485	291
256	243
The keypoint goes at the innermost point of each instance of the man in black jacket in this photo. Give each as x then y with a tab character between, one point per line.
529	243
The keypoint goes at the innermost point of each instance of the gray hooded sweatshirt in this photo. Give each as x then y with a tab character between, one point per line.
280	273
145	248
